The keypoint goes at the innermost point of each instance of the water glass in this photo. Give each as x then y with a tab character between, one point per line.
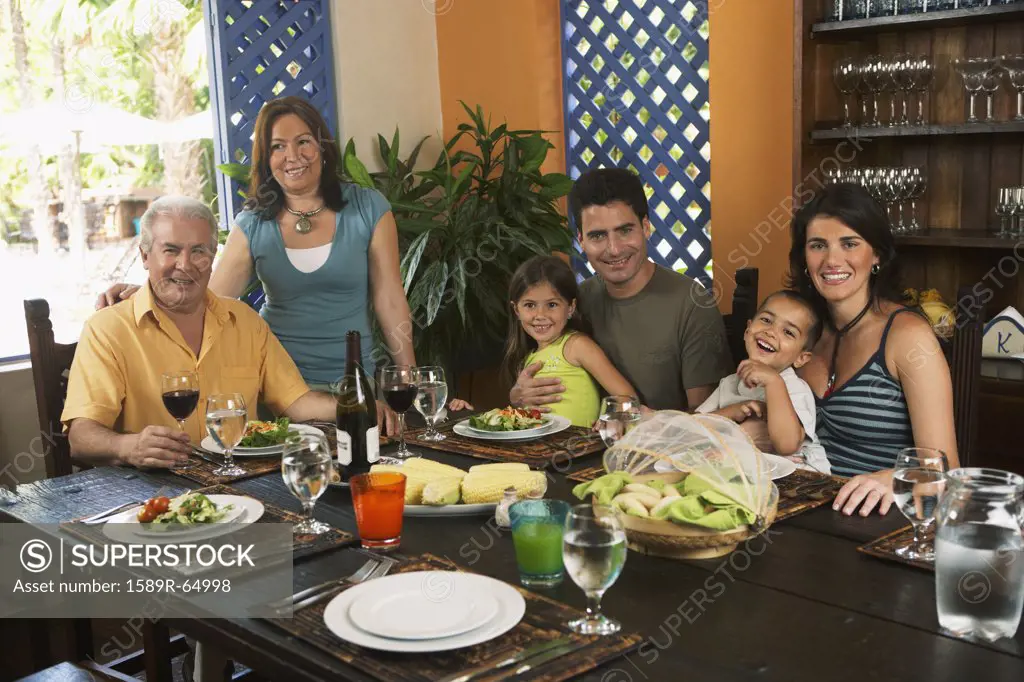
306	468
379	502
619	414
979	554
594	552
431	397
537	528
225	421
918	482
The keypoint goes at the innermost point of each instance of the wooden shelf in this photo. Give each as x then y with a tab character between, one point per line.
902	22
958	238
869	133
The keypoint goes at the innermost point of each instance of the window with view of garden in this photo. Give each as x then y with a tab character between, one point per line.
636	96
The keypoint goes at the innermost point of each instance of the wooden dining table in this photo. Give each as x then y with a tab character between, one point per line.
799	603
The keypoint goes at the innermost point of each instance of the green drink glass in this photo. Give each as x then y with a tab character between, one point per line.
537	527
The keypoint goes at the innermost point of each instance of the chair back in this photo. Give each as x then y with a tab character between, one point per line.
744	305
51	366
965	368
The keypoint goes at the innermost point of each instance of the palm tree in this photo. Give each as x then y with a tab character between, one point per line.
36	177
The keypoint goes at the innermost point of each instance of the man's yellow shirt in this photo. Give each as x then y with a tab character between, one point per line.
124	350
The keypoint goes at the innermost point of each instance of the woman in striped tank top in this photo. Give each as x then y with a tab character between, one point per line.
881	380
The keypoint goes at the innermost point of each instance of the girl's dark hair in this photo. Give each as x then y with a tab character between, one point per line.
538	270
265	195
853	206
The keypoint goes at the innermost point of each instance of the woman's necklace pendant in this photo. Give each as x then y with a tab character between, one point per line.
303	226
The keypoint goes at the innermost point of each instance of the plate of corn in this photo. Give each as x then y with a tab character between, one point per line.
436	489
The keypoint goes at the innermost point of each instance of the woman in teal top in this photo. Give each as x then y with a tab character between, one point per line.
548	332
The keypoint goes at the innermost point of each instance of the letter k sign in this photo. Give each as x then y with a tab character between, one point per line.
1001	342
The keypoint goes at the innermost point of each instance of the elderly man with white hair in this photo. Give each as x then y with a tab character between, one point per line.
114	409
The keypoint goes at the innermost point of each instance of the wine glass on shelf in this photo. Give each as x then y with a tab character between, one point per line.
593	552
990	84
619	414
923	74
1014	67
918	482
306	465
225	421
890	84
1004	209
973	72
919	186
399	389
874	80
431	397
846	74
904	75
1017	218
180	393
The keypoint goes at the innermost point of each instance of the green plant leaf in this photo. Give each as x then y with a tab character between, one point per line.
355	168
239	172
392	157
535	150
411	261
385	152
555	185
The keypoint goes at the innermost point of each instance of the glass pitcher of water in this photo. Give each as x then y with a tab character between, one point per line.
979	554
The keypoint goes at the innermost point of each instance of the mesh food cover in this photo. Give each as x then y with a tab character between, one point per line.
713	448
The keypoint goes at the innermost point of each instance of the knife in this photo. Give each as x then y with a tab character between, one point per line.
208	456
505	660
538	660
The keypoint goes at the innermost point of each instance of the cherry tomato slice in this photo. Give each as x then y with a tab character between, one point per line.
159	504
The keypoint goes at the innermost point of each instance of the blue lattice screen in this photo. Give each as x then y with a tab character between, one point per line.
260	50
636	96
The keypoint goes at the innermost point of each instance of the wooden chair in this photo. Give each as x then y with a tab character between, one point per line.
744	305
965	368
51	366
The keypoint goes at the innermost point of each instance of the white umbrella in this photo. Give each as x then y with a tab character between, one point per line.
54	125
198	126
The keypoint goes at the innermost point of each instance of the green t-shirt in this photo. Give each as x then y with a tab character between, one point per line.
581	401
666	339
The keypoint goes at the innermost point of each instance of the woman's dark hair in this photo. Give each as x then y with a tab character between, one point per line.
602	186
538	270
853	206
265	195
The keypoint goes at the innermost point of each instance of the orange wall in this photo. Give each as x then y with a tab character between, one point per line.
505	56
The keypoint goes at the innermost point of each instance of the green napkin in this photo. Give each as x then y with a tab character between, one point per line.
693	507
604	488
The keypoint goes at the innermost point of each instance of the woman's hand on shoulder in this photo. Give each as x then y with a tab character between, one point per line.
115	294
867	491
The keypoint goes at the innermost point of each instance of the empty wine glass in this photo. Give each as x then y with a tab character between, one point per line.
1014	67
225	421
917	483
1017	219
920	186
846	74
594	552
923	74
890	84
873	74
306	468
904	74
399	389
431	397
1004	209
973	72
990	84
619	414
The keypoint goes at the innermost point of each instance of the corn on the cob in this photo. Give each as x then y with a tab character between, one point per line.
442	491
430	466
490	486
500	466
415	480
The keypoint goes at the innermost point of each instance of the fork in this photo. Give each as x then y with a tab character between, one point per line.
105	515
379	571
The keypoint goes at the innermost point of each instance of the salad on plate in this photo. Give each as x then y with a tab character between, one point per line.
190	509
262	434
508	419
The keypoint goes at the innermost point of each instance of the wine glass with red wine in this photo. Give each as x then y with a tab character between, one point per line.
181	396
399	389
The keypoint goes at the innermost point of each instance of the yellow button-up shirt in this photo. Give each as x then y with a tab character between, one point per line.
124	350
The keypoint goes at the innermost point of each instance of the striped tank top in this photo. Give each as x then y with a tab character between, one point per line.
865	423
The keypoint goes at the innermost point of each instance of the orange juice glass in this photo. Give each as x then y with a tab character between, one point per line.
379	500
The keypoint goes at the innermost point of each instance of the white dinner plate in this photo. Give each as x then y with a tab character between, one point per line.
557	423
776	467
511	607
124	527
210	444
450	509
421	606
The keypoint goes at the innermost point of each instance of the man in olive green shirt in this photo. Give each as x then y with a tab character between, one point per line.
661	329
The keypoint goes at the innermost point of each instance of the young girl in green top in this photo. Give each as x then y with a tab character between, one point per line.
546	328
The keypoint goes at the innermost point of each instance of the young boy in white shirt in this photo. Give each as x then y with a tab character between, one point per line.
765	386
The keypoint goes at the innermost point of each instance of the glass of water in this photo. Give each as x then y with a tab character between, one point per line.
594	552
619	414
979	554
431	397
917	484
225	421
306	469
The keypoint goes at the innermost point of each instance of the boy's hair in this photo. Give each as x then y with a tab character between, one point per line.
602	186
538	270
817	325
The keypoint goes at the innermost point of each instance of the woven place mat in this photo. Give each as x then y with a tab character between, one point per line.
806	496
544	620
302	545
540	453
885	548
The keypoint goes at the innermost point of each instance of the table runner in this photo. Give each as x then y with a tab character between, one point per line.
302	545
544	620
556	450
798	492
885	548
